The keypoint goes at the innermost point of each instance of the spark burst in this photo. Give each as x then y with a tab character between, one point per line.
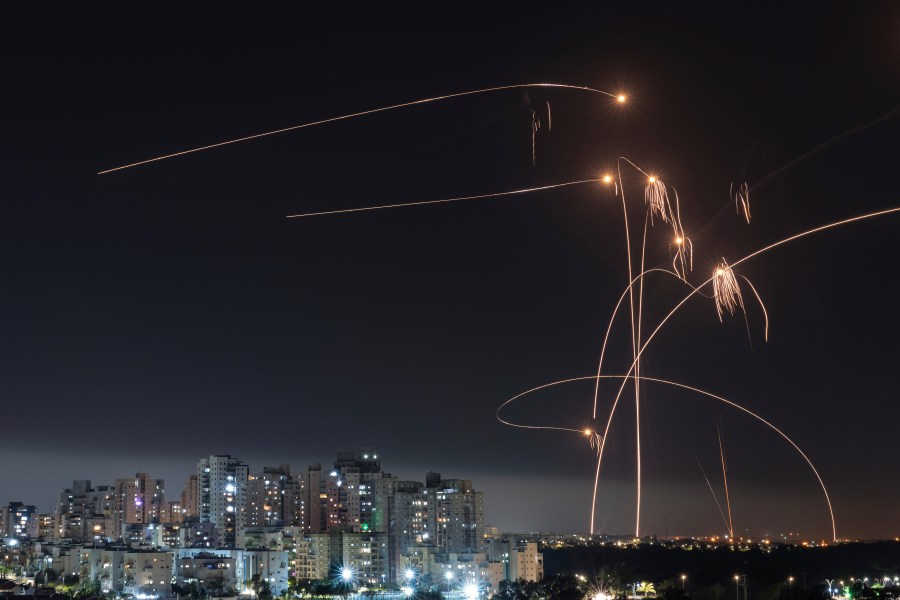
726	291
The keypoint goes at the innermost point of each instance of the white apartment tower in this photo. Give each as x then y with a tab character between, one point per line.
220	484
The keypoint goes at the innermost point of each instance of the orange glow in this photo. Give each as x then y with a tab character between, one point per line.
588	432
621	98
679	240
652	179
607	178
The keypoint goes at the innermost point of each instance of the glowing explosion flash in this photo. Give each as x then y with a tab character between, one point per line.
361	114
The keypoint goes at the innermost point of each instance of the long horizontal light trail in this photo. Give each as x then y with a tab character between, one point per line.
359	114
443	200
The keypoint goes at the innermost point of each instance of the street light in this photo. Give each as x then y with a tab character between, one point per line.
448	576
683	579
471	590
737	587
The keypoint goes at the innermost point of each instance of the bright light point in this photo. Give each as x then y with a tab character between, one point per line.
719	272
620	98
407	591
607	178
346	573
679	240
652	179
409	574
471	591
588	432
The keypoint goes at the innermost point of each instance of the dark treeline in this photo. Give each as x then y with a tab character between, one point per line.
703	567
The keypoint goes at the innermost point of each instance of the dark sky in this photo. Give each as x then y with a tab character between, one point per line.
153	316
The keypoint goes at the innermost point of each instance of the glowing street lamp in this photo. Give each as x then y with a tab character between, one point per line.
470	590
683	579
347	575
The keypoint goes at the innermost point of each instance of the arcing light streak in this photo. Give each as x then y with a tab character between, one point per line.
635	342
586	432
613	318
443	200
688	297
747	411
761	304
358	114
713	492
890	114
725	482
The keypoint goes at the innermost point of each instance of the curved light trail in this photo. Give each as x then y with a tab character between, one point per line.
747	411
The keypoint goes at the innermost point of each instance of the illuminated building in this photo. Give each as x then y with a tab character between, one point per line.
138	501
81	508
274	498
15	519
220	480
456	514
520	560
190	502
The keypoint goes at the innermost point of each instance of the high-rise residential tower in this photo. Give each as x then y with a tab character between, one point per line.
220	484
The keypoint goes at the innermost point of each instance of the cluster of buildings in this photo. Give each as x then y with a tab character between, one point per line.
229	525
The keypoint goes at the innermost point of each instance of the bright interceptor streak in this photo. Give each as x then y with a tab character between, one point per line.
443	200
361	114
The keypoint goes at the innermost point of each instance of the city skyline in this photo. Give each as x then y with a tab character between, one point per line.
157	314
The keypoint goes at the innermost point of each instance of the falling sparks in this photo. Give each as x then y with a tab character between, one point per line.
741	197
657	198
535	126
726	290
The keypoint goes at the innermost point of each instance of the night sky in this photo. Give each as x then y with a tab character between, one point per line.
153	316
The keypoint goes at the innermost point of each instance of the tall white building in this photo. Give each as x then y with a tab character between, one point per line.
220	484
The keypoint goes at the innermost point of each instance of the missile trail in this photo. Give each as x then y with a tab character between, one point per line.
355	115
